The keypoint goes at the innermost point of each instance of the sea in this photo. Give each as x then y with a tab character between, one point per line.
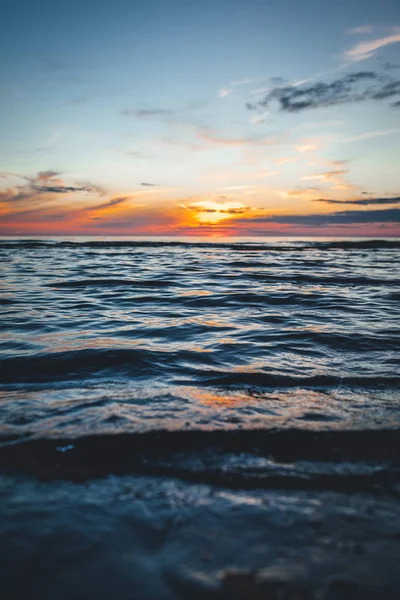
237	364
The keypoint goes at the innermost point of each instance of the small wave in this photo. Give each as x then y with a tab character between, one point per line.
63	366
183	366
82	283
261	298
318	279
7	301
266	380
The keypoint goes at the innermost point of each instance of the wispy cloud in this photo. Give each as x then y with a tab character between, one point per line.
257	119
224	92
112	202
370	134
213	138
307	147
364	50
335	177
361	29
145	113
362	201
248	80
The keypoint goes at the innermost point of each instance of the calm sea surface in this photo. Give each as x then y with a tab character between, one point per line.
117	335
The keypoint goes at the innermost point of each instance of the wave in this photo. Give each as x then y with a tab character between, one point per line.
346	280
182	365
254	458
81	283
294	279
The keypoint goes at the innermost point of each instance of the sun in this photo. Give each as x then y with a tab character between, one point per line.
210	212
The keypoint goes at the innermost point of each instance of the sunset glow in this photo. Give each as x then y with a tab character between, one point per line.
124	133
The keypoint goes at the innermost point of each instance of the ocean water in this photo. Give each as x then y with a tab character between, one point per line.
120	337
191	419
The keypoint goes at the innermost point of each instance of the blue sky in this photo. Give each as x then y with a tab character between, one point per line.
187	96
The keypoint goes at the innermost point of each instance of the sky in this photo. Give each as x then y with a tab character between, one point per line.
212	118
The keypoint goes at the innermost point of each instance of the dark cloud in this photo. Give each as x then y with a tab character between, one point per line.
240	210
150	184
388	90
43	183
362	201
354	87
391	66
227	211
348	217
59	189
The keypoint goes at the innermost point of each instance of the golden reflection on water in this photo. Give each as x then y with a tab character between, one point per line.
195	293
194	348
209	322
211	397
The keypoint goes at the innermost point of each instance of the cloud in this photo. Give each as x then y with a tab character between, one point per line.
109	203
349	217
248	80
353	87
256	119
327	176
365	50
59	189
149	184
391	66
213	138
210	211
306	147
146	112
227	211
43	184
46	175
224	92
360	30
251	80
362	201
18	194
370	134
335	177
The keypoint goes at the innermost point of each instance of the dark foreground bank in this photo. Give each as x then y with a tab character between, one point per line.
177	515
